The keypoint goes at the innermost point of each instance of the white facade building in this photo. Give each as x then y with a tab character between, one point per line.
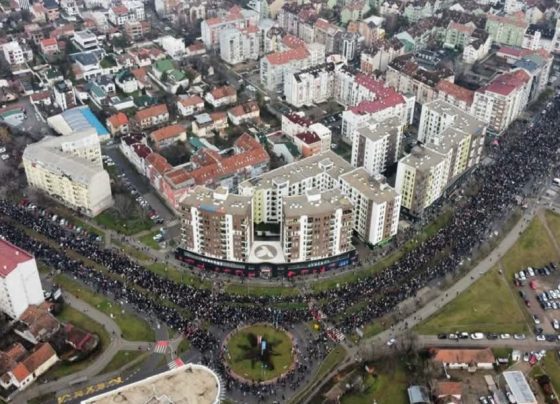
13	53
69	168
20	285
238	45
310	86
174	47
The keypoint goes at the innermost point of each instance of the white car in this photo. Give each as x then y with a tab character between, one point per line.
541	337
5	156
505	336
519	336
477	335
536	319
556	324
2	150
391	342
530	271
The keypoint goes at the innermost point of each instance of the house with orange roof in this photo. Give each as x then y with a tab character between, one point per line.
49	46
168	135
206	123
118	124
36	325
151	116
221	96
446	392
30	368
242	113
466	359
190	105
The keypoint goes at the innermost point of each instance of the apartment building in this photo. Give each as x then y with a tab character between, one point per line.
13	53
313	85
127	11
325	33
86	40
238	45
69	169
421	178
501	101
369	99
316	225
409	74
507	29
236	17
376	205
377	145
318	173
20	285
439	115
217	224
456	95
380	54
274	65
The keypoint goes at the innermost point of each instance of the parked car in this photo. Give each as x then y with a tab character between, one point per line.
477	335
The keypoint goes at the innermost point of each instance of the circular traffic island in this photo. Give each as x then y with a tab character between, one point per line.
259	353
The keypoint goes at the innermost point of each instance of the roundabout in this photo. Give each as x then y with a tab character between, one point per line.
259	353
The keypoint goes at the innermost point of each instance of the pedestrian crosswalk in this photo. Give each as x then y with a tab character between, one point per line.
161	347
177	363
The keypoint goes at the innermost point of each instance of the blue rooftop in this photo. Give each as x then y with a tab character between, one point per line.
82	118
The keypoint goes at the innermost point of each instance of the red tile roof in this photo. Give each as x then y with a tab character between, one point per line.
141	150
20	372
160	163
281	58
444	389
506	83
213	166
292	41
49	42
40	322
244	109
222	92
151	112
120	10
308	137
10	257
190	101
167	132
118	120
42	95
467	356
456	91
39	357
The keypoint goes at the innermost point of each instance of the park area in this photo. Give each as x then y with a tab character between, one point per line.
491	304
259	352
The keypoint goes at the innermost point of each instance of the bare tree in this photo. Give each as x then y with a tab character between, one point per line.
124	205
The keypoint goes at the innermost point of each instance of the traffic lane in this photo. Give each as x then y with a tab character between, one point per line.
528	344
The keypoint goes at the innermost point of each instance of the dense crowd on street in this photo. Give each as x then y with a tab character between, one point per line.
522	160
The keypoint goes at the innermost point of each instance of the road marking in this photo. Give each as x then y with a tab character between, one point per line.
177	363
161	347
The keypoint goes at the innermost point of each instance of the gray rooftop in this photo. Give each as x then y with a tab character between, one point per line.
447	140
373	189
422	158
519	387
328	162
315	202
218	200
463	121
375	130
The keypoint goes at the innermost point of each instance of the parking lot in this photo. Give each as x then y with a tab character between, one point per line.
538	289
138	183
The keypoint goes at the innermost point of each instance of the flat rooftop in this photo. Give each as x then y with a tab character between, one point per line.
218	201
463	121
422	158
375	130
315	203
185	385
370	187
327	162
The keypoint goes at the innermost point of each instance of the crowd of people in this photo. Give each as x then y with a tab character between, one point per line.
522	161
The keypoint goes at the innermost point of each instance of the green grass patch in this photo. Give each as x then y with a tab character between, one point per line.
248	290
177	275
148	240
131	251
243	356
184	346
534	247
489	305
121	359
502	352
132	327
77	318
373	329
384	388
551	366
45	398
334	357
111	219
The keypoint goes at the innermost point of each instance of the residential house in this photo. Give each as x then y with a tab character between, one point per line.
118	124
205	124
221	96
465	359
168	135
126	81
190	105
49	46
152	116
242	113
